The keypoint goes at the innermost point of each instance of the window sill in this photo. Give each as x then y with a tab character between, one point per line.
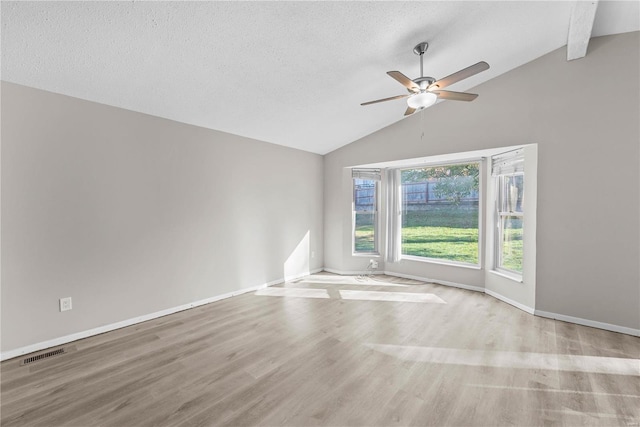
440	262
510	276
366	254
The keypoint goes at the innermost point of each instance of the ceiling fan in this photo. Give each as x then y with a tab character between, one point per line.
425	91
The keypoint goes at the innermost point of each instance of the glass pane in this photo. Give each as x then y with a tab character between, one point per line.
365	206
511	250
365	232
512	193
364	194
440	212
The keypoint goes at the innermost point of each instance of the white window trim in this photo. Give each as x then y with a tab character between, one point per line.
441	262
508	274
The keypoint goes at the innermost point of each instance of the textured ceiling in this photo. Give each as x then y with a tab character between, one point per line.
290	73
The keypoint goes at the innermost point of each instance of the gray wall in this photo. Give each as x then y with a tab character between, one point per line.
584	117
130	214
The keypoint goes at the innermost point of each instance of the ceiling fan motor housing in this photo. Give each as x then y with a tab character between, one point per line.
424	82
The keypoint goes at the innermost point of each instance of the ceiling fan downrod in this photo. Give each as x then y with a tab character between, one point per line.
422	81
419	50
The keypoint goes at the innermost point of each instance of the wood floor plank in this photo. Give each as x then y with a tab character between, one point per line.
335	350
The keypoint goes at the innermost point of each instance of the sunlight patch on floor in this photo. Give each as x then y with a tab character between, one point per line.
351	295
350	280
293	292
512	359
549	390
391	296
629	420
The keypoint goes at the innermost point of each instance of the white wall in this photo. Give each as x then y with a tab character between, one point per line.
131	214
583	115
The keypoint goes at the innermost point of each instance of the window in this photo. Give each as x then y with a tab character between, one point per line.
440	207
508	173
365	210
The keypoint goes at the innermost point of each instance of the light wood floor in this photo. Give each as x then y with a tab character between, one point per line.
331	350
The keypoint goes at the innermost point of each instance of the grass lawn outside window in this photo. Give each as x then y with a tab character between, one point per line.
365	234
444	232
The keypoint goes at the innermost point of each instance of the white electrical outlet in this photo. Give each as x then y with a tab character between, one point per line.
313	254
65	304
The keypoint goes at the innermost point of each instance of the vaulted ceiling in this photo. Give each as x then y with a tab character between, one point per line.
289	73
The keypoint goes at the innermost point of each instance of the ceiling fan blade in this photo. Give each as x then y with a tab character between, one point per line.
460	75
455	96
409	111
385	99
404	80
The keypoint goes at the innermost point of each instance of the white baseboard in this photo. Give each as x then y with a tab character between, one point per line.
510	301
587	322
436	281
298	276
128	322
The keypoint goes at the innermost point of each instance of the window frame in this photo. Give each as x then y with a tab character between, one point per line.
500	217
376	217
444	261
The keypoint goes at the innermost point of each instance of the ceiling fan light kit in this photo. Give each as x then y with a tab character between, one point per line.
422	100
425	91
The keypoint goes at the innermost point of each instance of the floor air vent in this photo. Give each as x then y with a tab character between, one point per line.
42	356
